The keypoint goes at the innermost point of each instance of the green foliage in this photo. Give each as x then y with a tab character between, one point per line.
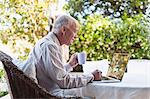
3	93
25	21
1	73
121	27
112	8
101	37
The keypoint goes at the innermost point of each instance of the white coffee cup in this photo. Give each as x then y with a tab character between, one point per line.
81	58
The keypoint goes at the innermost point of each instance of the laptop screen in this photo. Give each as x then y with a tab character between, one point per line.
118	65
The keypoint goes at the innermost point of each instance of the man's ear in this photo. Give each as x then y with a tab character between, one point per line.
63	29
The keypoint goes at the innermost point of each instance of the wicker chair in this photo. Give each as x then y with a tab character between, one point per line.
21	86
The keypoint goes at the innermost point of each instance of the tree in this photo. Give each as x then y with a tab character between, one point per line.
100	37
24	22
112	8
109	26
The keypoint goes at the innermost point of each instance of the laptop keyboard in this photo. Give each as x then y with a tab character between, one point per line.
105	78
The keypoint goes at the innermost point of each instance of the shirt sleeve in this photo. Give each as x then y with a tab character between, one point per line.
56	71
68	67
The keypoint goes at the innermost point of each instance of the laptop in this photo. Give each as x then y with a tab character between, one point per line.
117	68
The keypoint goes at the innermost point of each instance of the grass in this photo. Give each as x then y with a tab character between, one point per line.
3	93
1	73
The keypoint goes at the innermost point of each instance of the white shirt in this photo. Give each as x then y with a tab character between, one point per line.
51	73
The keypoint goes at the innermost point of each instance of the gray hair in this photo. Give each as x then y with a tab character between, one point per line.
64	20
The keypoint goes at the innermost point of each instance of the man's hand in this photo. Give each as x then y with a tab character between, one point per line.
73	60
97	74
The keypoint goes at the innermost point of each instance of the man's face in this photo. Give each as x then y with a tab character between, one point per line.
70	35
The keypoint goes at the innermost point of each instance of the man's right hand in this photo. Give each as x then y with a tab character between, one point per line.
73	60
97	74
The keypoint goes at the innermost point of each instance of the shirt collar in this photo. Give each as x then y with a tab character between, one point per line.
54	38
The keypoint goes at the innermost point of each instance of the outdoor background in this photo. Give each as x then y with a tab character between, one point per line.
107	26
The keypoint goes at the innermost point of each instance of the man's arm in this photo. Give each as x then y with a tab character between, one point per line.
68	67
57	71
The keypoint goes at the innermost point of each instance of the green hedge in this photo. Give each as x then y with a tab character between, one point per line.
101	37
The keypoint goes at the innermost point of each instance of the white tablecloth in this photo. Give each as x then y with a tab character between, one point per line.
135	83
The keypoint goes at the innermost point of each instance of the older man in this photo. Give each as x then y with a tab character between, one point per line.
46	56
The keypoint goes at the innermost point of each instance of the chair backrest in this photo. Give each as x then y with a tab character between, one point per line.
21	86
4	56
